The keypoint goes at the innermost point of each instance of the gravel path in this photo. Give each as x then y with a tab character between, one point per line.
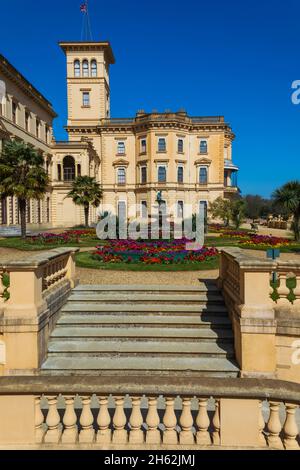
95	276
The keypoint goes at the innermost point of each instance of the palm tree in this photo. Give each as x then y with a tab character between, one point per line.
288	197
22	175
85	192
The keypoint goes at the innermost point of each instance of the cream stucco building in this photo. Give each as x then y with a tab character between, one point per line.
187	159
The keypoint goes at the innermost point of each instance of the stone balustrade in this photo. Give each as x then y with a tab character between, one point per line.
265	316
147	412
38	287
287	297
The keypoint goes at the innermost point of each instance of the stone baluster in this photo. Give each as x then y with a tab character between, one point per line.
70	433
202	421
170	422
119	421
136	435
290	428
186	421
297	292
104	420
54	431
2	289
39	422
153	434
274	427
216	424
262	425
283	291
87	433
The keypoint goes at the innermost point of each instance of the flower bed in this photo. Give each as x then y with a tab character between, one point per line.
152	252
70	236
262	241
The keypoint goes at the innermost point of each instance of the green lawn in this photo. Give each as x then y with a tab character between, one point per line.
19	244
85	260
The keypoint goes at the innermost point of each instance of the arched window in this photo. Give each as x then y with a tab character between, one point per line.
203	175
77	68
121	176
69	168
94	68
85	68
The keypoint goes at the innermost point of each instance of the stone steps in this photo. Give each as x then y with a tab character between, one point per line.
136	298
131	330
118	308
148	289
149	320
123	365
143	348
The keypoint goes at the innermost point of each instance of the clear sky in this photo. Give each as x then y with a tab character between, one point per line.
218	57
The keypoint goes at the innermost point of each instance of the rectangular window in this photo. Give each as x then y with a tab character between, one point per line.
27	121
180	174
47	134
143	146
144	210
37	130
203	146
85	98
162	174
162	147
180	209
59	172
121	148
121	176
14	112
122	210
144	174
180	146
203	175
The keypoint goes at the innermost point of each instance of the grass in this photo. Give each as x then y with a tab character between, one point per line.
85	260
24	245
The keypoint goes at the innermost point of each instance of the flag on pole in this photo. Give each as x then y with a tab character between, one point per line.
83	8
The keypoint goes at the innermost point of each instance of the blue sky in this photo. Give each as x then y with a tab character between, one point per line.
233	58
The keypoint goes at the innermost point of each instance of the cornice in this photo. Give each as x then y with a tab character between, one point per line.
13	74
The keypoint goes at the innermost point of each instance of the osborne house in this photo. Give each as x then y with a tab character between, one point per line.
187	159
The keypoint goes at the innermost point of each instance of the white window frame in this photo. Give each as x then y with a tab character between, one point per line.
118	175
207	174
86	94
179	216
158	144
121	144
144	204
200	142
166	168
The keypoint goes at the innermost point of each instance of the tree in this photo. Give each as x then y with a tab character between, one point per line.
22	175
85	192
238	207
221	209
257	206
288	197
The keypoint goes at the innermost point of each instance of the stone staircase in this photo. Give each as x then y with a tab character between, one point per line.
132	330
